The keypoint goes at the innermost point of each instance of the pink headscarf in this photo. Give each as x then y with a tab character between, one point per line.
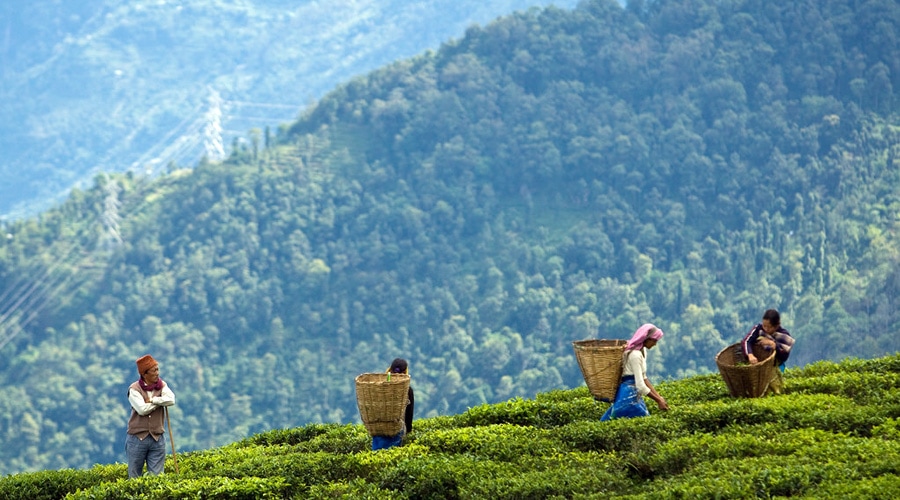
642	334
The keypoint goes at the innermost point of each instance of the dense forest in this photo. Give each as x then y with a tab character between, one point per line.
553	176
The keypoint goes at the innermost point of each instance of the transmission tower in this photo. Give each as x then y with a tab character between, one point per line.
111	237
212	131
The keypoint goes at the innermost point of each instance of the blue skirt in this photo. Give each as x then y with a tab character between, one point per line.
628	404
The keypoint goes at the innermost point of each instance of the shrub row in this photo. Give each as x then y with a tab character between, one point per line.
836	432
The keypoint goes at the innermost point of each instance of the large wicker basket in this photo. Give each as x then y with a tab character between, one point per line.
382	399
743	379
600	361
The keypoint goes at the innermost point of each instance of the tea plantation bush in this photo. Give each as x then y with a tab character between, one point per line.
834	433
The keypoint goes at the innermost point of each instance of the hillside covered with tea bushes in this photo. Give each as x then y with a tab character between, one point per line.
835	433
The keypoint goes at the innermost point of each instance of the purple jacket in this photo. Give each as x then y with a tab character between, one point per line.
783	342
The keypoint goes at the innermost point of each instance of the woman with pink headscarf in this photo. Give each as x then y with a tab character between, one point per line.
635	385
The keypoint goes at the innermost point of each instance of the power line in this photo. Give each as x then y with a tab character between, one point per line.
191	121
30	298
35	307
23	293
203	130
255	118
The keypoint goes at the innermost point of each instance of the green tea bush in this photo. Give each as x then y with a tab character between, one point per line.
349	438
47	485
564	395
304	469
471	476
436	476
764	440
863	387
795	411
887	486
541	484
439	422
800	462
850	366
823	368
693	390
677	455
504	442
834	434
809	459
355	489
372	463
869	458
826	412
574	460
294	435
887	363
619	435
571	472
540	412
164	487
299	470
887	430
714	415
758	477
222	461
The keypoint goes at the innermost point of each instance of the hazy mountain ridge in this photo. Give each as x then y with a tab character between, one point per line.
95	86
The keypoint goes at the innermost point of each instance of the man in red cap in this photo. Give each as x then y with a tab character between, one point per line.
147	396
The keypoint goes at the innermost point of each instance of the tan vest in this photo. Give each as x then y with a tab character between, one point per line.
149	424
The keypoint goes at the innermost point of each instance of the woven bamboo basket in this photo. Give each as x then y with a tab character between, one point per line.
600	361
743	379
382	402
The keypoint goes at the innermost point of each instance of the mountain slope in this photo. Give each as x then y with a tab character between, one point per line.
834	434
476	209
95	85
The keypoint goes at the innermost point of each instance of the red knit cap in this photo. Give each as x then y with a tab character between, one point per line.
145	363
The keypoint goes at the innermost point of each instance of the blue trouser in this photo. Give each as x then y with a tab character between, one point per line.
148	450
628	404
382	442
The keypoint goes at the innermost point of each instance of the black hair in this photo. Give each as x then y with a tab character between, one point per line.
773	317
398	365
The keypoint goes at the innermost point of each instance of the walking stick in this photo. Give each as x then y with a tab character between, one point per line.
171	438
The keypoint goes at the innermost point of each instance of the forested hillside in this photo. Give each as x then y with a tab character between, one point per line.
88	86
553	176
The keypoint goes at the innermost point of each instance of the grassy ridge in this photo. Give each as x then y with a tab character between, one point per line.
834	434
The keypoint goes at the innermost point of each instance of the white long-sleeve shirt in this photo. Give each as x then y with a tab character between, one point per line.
166	398
636	364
